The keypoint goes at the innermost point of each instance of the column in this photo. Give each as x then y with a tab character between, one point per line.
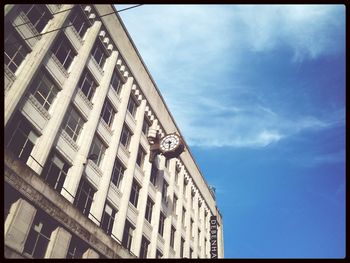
18	224
194	207
101	194
203	234
129	173
33	62
178	233
90	253
44	143
169	218
220	240
142	205
156	210
75	172
59	244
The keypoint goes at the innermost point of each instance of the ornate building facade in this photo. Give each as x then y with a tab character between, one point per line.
80	105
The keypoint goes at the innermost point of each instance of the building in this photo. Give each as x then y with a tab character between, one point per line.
79	105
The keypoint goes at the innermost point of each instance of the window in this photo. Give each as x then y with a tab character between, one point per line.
134	195
79	21
38	15
108	219
99	149
154	172
117	173
199	237
99	54
192	199
83	198
149	208
161	224
191	252
177	171
132	106
183	215
172	237
167	162
87	85
125	137
140	157
159	254
10	197
39	235
73	123
144	247
108	113
191	228
145	126
44	89
127	235
15	49
55	171
63	51
76	248
182	245
174	204
20	137
165	191
185	187
116	82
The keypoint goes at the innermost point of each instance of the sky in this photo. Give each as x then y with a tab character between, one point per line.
258	93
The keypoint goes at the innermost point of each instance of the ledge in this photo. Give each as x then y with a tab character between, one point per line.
68	139
38	106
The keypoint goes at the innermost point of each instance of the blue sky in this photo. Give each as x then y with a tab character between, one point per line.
258	93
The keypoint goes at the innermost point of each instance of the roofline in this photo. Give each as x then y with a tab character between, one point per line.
155	85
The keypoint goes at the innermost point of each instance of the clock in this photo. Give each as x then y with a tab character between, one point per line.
171	145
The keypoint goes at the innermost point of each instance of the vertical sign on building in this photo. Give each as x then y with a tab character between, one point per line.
213	237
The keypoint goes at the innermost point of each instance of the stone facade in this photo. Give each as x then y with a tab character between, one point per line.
79	106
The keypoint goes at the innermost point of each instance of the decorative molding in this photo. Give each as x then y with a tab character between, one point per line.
38	106
58	63
86	100
69	140
96	64
105	125
76	34
42	199
95	167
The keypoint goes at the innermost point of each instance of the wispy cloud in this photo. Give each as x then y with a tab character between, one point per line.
195	54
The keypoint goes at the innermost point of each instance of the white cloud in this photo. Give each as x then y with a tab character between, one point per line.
186	50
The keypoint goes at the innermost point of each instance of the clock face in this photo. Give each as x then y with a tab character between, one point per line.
169	143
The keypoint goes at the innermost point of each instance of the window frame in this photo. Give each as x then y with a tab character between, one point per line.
110	218
97	142
117	75
98	47
132	106
44	82
39	24
15	45
89	90
149	209
58	182
144	247
20	129
135	193
118	173
141	155
108	113
161	223
128	235
88	196
73	132
62	44
77	13
126	131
